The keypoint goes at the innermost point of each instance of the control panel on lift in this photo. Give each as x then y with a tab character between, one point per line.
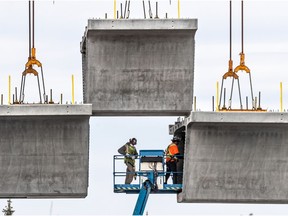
152	161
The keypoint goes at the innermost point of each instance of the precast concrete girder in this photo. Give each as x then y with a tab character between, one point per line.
44	151
235	157
139	67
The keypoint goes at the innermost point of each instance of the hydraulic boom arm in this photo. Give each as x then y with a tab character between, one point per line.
142	198
144	193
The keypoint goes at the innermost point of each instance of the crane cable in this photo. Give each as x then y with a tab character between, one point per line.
230	72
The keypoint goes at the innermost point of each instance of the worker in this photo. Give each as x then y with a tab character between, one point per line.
130	152
172	157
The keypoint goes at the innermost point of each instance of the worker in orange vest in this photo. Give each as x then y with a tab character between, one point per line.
130	153
172	157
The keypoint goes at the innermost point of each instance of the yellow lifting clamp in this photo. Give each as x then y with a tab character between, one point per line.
30	70
230	72
32	61
242	65
234	76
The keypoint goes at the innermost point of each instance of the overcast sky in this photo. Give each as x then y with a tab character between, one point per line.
59	28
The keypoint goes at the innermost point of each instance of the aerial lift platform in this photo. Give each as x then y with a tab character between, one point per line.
151	176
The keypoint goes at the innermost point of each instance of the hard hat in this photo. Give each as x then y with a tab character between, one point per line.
133	141
176	139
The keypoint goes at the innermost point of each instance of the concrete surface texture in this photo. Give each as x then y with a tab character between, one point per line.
139	67
236	157
44	154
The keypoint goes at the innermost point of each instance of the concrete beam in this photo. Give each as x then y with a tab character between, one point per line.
44	151
139	67
235	157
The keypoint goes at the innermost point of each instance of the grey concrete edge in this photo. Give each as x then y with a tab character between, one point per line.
140	113
142	24
45	196
180	199
232	117
187	24
83	42
46	110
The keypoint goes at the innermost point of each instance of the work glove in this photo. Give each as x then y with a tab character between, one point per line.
175	158
133	157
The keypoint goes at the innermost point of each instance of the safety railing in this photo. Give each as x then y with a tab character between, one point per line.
141	175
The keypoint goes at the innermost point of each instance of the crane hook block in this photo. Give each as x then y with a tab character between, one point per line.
230	72
242	65
32	60
30	70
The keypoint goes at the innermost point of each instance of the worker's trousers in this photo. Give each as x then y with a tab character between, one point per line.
130	173
171	168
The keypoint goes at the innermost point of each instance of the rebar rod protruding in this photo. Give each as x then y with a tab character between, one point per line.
121	16
259	101
144	10
51	96
224	99
156	17
246	102
125	9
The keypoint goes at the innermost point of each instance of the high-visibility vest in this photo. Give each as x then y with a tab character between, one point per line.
171	150
131	150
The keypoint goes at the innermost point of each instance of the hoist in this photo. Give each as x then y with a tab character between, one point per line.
32	60
229	73
233	73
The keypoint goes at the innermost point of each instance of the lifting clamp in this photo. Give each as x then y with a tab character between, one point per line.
230	72
242	65
32	61
234	76
29	65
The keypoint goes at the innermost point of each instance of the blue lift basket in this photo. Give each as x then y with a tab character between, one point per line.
151	166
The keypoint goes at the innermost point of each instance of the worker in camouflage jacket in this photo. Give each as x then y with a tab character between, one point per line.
130	152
